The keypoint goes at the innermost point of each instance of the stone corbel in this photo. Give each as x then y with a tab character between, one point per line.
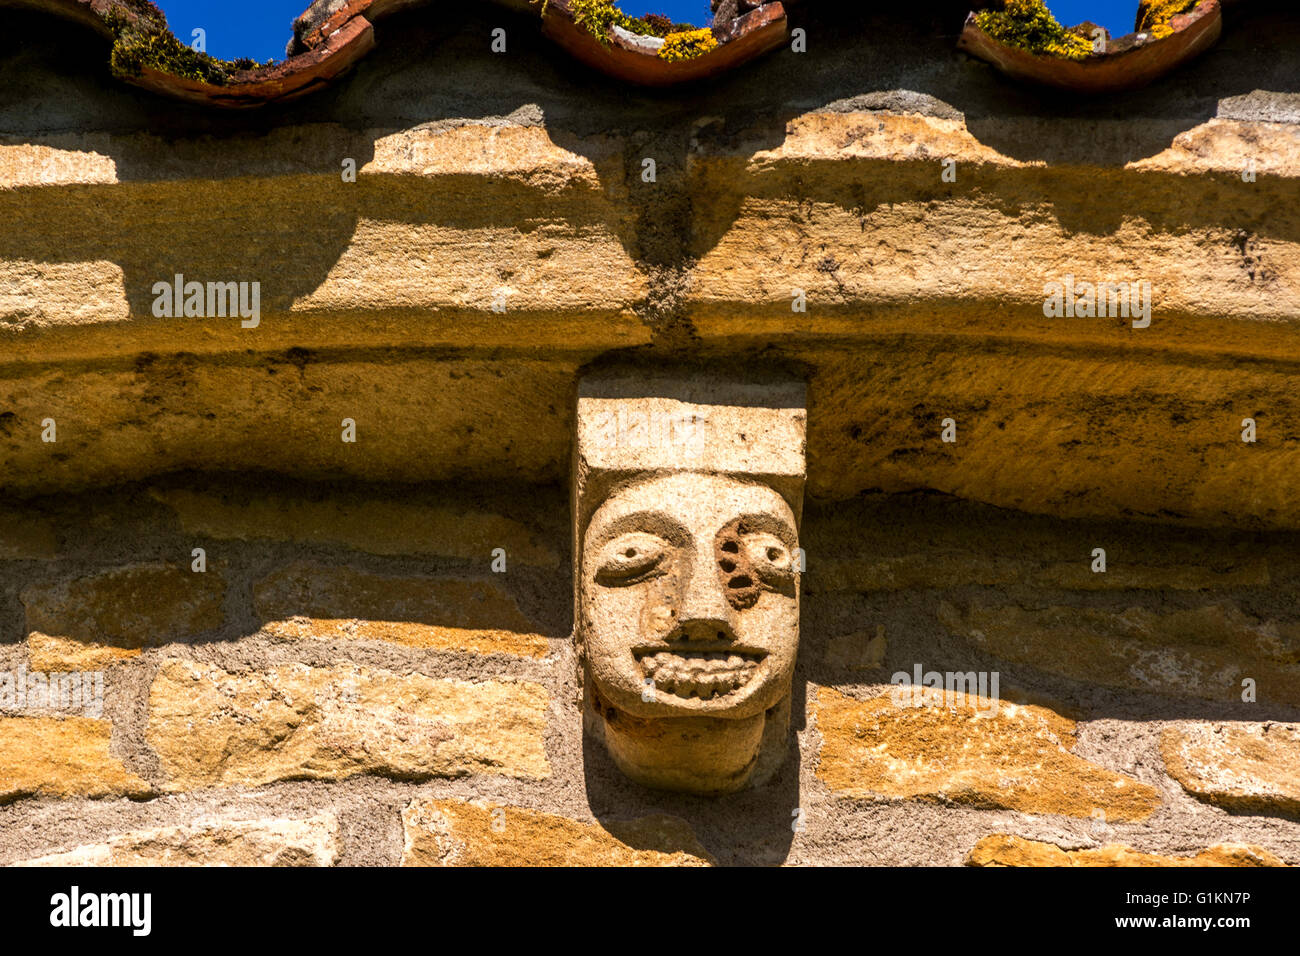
688	495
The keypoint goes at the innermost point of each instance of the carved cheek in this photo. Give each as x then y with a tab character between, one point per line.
659	612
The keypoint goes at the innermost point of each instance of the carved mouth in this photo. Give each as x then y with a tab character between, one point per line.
706	674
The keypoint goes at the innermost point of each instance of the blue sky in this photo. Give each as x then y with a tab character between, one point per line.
260	28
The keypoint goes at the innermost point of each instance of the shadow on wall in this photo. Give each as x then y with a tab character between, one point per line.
1050	629
398	579
433	68
753	827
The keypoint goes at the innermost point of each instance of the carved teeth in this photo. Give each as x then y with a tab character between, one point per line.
705	675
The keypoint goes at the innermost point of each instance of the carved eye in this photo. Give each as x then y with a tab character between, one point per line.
769	556
630	559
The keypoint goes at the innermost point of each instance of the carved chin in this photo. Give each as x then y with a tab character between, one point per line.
705	675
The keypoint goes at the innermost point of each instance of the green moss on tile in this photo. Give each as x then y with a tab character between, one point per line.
1028	24
146	41
597	16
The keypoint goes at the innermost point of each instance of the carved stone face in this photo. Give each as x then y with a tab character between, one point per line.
690	607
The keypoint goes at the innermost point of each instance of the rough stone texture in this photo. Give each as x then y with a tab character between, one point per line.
762	187
634	422
62	757
1115	728
1244	768
483	174
89	622
1017	758
309	842
129	420
460	833
858	651
388	527
1206	651
943	568
314	601
24	536
211	727
687	496
1002	850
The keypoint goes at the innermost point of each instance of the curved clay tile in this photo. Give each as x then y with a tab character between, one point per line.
296	76
636	59
1129	62
623	55
258	86
325	17
331	35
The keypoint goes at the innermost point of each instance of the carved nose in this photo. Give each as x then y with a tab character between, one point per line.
704	614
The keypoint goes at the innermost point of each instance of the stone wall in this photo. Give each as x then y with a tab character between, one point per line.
350	680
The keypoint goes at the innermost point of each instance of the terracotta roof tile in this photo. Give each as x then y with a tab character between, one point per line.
1131	61
332	35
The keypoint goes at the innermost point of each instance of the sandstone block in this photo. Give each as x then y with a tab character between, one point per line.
1003	850
960	750
24	537
1205	652
313	841
88	622
1245	768
310	600
212	727
370	525
459	833
62	757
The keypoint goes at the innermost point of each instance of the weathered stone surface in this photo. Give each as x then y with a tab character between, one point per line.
462	271
1230	146
280	410
459	833
376	255
904	572
948	296
1244	768
212	727
771	227
91	290
23	536
86	623
519	154
374	525
1015	758
514	190
313	841
1124	576
924	301
634	422
62	757
325	602
883	542
859	651
944	569
1205	653
1050	426
1003	850
687	498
